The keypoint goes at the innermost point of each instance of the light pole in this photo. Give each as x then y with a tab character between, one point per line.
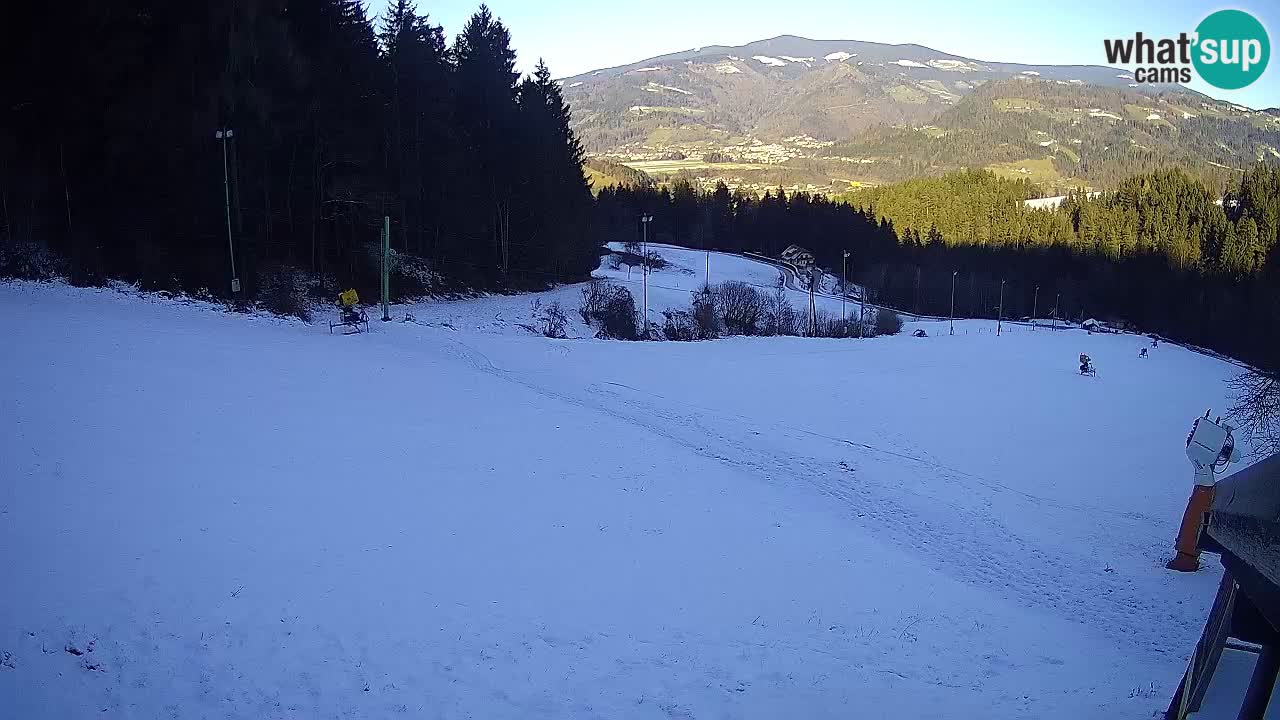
844	288
814	274
954	273
1055	309
224	135
644	258
1034	304
1000	312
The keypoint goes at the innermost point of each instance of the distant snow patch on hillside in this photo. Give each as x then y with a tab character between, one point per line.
770	61
727	68
1125	76
839	56
657	88
646	69
1153	116
1030	72
804	60
574	85
1186	115
908	63
953	65
1095	112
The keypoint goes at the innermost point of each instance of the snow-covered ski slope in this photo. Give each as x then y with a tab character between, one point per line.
237	516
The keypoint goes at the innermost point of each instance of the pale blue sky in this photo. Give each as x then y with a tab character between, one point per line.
575	36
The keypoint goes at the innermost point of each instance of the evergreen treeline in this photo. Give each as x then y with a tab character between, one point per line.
108	151
1160	252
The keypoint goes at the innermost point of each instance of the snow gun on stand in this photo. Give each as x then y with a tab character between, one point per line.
1210	448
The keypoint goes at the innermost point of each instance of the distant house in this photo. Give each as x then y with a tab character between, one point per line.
798	256
1098	326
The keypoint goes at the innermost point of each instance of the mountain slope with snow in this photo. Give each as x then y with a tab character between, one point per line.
235	516
894	112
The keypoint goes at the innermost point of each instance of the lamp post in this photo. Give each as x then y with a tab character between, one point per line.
1000	312
844	287
645	219
954	273
224	135
1056	298
1034	304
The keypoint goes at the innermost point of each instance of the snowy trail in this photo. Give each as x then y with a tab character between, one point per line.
254	519
960	534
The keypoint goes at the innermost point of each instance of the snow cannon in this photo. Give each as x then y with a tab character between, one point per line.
1210	448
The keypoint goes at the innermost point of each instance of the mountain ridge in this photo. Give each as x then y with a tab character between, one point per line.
768	112
770	44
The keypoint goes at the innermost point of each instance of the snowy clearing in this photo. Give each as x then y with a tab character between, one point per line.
953	65
908	63
658	88
239	516
839	56
770	61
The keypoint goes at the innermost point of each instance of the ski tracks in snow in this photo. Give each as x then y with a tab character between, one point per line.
887	490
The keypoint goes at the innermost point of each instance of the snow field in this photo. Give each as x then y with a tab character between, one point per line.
456	518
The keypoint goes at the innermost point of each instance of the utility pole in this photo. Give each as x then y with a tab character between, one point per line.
224	135
386	266
644	256
1055	309
862	309
844	287
954	273
1034	304
1000	312
707	282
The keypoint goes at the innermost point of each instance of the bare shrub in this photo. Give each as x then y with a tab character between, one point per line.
29	261
704	314
611	308
887	323
549	319
1255	411
829	325
618	318
283	291
679	325
410	275
740	306
594	297
780	317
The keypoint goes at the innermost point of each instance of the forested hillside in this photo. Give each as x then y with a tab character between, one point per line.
827	115
1160	252
1061	136
109	154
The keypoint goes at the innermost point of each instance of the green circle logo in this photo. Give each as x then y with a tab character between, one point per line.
1232	49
